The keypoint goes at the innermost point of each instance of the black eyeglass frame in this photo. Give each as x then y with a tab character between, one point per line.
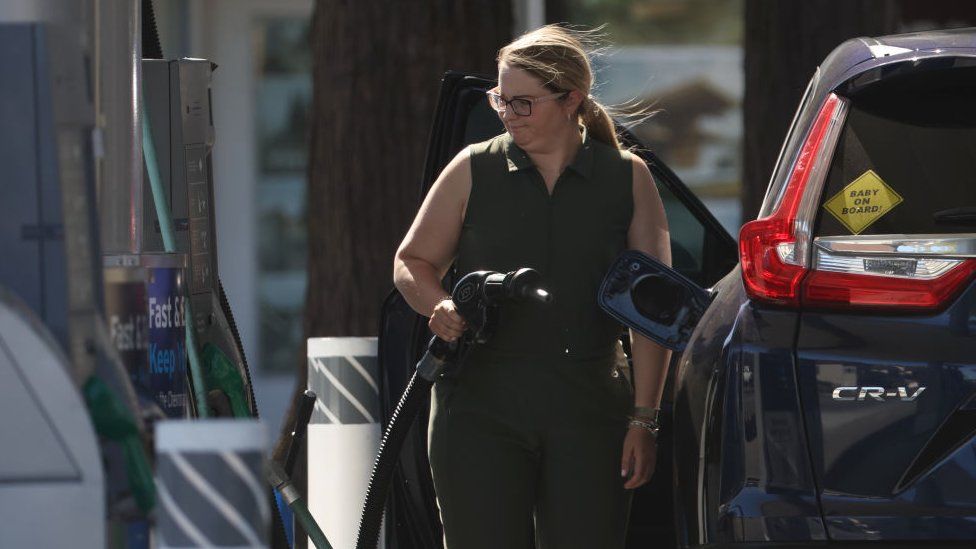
499	103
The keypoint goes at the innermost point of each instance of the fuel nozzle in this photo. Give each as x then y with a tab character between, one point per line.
523	284
477	297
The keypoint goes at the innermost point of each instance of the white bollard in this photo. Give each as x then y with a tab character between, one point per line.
344	433
210	484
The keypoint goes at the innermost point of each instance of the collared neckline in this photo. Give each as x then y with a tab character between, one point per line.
518	160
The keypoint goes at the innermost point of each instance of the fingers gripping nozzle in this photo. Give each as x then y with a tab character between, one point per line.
478	294
477	297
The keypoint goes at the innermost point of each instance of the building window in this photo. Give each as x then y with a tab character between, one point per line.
682	58
282	102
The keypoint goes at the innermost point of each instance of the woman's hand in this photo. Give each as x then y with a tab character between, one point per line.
445	322
640	457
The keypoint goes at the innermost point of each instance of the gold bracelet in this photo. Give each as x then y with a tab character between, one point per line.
653	428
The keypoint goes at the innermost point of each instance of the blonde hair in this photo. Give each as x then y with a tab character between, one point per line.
557	55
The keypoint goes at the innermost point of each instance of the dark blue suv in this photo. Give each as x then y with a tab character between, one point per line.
823	395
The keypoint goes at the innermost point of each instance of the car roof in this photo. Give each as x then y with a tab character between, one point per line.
887	55
930	40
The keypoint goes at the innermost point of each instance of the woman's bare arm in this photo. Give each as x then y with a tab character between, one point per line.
430	245
648	233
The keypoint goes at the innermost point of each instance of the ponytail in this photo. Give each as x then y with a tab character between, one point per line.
597	121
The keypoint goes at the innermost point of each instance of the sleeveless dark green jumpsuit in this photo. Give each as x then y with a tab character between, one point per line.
525	443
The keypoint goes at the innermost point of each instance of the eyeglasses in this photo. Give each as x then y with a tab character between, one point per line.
521	106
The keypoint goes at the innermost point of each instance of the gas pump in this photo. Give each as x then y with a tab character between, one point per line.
55	334
177	104
92	323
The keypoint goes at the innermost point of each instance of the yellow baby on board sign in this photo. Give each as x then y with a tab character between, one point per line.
866	200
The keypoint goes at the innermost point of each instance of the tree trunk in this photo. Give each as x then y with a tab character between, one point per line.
784	44
557	11
376	74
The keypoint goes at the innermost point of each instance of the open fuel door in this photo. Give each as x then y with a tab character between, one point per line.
703	252
650	297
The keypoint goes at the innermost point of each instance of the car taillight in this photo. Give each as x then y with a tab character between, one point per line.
871	272
768	276
771	252
775	252
845	290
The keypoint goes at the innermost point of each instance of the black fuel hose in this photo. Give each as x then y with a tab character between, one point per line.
439	356
229	316
396	431
151	46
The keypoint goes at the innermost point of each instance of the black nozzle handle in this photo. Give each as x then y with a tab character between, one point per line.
305	406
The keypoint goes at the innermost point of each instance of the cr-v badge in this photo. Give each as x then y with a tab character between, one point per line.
876	393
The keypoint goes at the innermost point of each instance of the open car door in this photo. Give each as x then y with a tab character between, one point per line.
702	252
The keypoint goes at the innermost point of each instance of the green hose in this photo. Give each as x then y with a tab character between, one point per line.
169	244
280	481
304	517
113	421
222	375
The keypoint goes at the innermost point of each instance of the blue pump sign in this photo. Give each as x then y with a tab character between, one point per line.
167	351
144	302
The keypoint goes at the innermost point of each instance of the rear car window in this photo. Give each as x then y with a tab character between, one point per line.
905	162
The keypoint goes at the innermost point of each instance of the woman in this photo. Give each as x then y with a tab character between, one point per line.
539	436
